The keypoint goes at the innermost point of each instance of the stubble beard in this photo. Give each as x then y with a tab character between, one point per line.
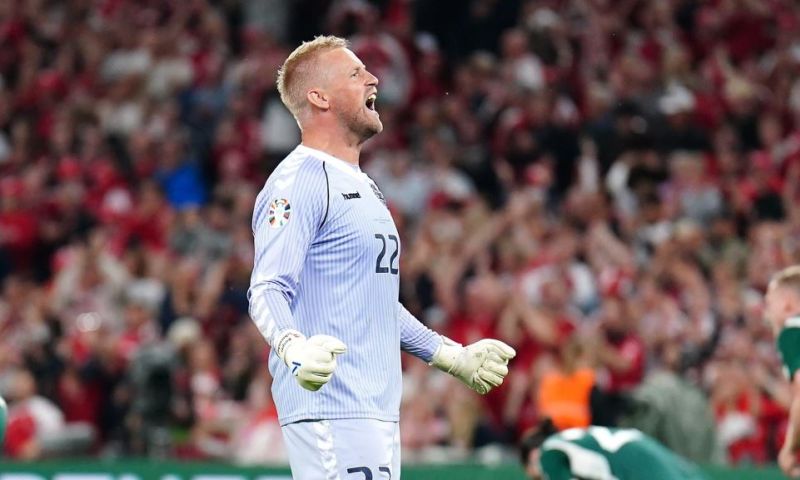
362	128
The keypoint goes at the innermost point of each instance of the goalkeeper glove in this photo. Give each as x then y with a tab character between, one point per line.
481	366
311	360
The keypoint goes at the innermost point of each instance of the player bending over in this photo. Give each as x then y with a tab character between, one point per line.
782	310
325	284
600	453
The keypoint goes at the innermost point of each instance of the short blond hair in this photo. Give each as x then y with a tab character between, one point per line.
788	277
297	68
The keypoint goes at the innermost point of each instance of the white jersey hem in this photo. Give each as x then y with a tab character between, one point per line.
338	416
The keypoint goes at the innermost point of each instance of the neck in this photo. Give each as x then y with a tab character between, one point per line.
334	142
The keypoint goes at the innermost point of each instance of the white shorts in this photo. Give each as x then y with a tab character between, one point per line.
347	449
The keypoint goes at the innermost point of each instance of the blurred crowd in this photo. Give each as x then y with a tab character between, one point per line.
607	185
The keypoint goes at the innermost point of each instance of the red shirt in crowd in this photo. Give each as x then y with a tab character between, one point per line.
632	349
19	234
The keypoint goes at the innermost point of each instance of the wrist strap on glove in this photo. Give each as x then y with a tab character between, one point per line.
446	355
285	339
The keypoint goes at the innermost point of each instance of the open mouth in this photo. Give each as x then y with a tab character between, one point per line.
370	103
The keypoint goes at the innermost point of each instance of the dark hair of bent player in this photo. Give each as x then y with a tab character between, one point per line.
535	438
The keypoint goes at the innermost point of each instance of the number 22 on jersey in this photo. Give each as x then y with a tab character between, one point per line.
390	266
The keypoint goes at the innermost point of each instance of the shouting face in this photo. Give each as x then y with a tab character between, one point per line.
351	91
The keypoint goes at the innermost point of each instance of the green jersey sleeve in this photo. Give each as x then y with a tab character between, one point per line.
555	465
789	347
3	420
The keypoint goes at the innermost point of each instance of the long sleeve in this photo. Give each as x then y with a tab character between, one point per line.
288	214
416	338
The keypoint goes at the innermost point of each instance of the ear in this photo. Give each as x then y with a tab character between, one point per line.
319	99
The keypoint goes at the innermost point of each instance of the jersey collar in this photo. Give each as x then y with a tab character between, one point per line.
338	163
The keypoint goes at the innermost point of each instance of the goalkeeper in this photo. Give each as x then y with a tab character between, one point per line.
326	281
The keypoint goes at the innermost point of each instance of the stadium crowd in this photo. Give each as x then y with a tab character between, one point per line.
606	185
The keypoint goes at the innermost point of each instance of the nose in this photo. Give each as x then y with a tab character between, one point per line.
372	80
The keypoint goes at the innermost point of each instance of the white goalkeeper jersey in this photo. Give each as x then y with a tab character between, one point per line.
327	261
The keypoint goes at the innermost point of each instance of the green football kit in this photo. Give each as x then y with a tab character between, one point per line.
789	346
3	421
599	453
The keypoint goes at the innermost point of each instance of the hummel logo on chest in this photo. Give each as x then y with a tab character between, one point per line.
350	196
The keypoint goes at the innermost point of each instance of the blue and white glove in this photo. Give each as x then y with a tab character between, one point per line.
311	360
482	365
